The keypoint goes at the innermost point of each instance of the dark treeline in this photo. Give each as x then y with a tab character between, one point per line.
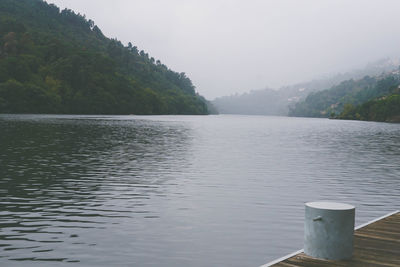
385	108
371	98
54	61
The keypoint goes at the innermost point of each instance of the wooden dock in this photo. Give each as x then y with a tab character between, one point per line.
376	243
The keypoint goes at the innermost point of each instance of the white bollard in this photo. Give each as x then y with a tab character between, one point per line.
329	230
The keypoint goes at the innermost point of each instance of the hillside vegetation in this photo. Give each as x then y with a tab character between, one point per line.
370	98
281	101
54	61
385	109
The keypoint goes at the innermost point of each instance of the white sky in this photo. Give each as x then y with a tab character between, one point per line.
229	46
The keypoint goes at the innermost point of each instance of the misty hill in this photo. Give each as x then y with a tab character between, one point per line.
343	100
279	102
54	61
256	102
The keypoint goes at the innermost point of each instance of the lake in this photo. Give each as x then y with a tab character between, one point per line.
182	190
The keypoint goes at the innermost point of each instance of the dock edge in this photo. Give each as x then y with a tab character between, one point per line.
302	250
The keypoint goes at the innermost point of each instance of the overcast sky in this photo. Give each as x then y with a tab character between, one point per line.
229	46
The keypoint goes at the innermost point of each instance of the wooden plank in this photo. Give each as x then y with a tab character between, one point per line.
376	244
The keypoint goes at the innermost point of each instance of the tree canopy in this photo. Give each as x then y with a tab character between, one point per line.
370	98
57	61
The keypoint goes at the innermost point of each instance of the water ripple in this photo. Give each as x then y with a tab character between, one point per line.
181	190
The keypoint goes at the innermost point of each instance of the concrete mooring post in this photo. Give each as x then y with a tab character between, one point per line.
329	230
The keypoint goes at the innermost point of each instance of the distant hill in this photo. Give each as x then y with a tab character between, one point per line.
54	61
256	102
280	102
369	98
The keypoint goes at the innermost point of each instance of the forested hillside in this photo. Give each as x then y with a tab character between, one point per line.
281	101
352	98
54	61
385	108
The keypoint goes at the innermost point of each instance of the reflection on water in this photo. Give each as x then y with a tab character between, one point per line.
181	190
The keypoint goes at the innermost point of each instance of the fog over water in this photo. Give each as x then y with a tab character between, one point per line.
236	46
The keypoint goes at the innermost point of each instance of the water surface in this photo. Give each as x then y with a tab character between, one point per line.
181	190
